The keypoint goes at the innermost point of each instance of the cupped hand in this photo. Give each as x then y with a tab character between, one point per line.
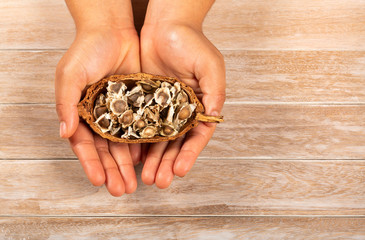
181	51
93	55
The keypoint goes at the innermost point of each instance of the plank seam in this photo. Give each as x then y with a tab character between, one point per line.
294	103
184	216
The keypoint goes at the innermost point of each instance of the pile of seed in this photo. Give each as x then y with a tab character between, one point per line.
144	110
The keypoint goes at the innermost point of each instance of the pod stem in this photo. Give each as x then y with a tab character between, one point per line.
206	118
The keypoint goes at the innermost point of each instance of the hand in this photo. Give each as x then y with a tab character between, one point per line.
99	49
173	48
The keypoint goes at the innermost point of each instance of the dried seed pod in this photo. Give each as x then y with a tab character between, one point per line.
146	121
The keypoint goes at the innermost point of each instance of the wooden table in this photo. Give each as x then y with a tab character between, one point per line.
288	163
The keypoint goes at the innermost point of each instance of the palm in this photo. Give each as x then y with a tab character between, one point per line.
90	58
185	53
171	53
102	54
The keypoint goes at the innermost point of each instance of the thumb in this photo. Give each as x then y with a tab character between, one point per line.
211	74
71	79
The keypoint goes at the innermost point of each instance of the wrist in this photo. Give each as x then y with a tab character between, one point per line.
101	15
189	13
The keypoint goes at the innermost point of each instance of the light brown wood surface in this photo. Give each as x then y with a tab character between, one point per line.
230	187
231	24
184	228
287	24
288	163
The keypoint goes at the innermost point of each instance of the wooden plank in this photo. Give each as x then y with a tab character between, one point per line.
295	76
35	24
287	24
28	77
183	228
213	187
231	24
30	130
272	76
267	131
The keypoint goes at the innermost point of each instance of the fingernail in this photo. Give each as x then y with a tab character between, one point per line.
63	129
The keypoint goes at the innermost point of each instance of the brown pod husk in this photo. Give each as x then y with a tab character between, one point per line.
86	106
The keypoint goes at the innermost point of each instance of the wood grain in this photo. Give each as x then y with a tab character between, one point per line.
28	76
292	143
250	131
252	76
29	130
287	24
231	24
214	187
182	228
295	76
35	24
291	131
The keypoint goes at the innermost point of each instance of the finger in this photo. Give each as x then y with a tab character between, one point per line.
165	172
144	151
194	143
114	181
120	152
153	160
82	143
210	72
70	81
135	151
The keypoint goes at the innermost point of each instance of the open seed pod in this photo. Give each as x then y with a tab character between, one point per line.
142	108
